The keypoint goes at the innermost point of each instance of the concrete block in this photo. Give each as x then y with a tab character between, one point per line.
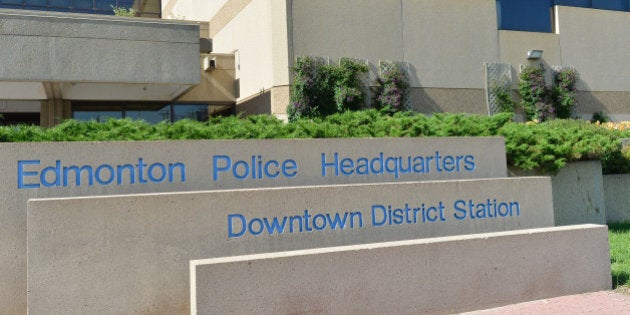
431	276
129	254
195	160
617	197
578	193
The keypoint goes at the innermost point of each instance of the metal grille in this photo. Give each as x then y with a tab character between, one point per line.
498	82
385	66
554	69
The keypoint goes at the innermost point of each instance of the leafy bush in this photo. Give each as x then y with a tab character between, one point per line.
533	90
550	145
319	90
122	11
563	92
546	146
392	90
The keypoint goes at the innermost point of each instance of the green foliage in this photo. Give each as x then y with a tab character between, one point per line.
392	90
533	91
319	90
122	11
550	145
506	103
619	236
563	92
600	116
545	146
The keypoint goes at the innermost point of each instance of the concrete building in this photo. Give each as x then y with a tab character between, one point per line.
209	57
72	58
445	44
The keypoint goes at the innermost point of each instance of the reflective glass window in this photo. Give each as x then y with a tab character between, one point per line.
99	116
144	8
193	112
41	3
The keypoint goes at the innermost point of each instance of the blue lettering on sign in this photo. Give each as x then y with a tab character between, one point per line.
255	168
30	175
395	165
239	225
381	215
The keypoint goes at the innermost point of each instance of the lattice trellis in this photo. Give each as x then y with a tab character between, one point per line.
386	65
498	82
554	69
320	61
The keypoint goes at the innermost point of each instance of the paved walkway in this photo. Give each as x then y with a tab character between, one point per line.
604	302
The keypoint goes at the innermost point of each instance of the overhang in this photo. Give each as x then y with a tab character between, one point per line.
48	55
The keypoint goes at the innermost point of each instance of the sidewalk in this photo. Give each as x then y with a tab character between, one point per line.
603	302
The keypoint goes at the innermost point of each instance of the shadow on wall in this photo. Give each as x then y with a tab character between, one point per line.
255	105
429	100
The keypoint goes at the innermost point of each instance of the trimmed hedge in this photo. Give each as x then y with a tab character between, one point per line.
544	146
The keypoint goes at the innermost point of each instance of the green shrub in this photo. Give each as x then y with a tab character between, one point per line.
533	91
392	90
319	90
563	92
544	146
550	145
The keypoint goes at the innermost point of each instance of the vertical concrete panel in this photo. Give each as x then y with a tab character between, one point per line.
597	43
447	41
578	194
279	14
249	36
351	28
617	197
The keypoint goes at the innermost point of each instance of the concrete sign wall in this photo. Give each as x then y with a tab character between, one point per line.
32	170
130	254
432	276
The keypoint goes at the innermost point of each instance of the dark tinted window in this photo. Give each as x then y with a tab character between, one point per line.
144	8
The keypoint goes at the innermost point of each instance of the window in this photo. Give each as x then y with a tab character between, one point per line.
536	15
145	8
149	112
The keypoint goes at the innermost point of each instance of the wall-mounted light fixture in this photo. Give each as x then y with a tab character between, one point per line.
534	54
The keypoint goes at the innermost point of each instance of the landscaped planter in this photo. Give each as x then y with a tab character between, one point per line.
578	193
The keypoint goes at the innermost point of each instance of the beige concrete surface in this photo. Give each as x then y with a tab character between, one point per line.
129	254
197	157
617	197
596	43
250	36
578	193
431	276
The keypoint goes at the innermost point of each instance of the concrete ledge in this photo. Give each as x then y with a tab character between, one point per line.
449	274
130	254
53	47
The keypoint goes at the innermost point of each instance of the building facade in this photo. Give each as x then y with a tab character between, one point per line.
195	58
74	59
444	43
